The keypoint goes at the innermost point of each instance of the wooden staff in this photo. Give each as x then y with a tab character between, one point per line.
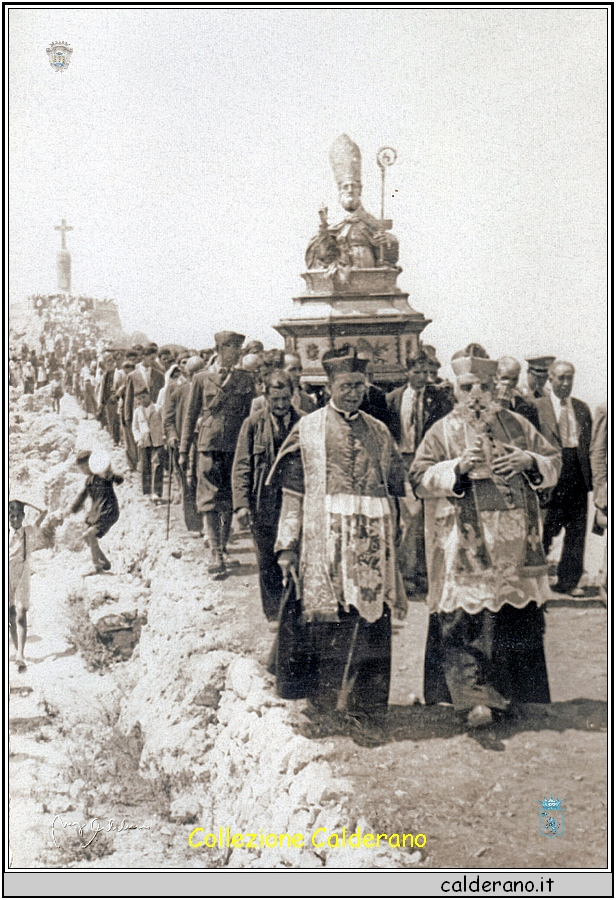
169	491
348	683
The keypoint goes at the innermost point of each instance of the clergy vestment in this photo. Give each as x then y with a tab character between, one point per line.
487	572
340	475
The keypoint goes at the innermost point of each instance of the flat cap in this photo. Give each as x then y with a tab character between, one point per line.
229	337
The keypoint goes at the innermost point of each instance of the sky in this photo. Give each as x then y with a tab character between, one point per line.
189	151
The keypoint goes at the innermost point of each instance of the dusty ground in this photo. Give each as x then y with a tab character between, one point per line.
475	798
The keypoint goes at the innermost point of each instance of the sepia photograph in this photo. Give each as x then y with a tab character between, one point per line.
306	344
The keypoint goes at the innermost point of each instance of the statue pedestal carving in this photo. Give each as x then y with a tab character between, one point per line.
379	322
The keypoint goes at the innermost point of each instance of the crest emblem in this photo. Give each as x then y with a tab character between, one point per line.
551	817
59	55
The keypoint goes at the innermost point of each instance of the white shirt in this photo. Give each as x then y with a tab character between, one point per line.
569	439
148	426
409	433
146	374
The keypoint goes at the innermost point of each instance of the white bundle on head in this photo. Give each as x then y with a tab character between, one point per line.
99	461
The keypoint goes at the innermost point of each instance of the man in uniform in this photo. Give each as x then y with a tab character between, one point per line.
477	471
536	377
341	475
220	399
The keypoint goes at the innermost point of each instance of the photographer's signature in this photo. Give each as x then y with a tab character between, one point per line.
95	827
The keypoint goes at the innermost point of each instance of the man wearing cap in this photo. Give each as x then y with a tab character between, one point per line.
477	470
567	423
413	409
536	377
341	476
220	399
173	419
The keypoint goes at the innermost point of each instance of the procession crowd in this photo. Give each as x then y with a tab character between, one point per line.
356	499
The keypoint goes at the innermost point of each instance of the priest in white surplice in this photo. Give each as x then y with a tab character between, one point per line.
478	470
341	476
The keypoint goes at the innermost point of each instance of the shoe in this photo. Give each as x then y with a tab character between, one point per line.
364	731
479	716
105	566
578	592
230	563
559	588
217	566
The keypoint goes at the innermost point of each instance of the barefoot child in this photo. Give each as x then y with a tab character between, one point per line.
104	511
23	540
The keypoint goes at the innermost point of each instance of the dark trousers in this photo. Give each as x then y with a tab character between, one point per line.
152	469
192	517
111	420
132	453
270	576
214	482
487	658
568	509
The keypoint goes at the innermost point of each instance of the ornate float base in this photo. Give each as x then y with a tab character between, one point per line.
381	325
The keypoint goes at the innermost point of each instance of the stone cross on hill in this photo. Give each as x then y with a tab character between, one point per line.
63	227
63	259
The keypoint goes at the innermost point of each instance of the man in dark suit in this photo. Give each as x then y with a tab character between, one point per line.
261	437
107	399
567	424
220	398
176	401
147	377
302	401
507	377
413	410
375	400
416	406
